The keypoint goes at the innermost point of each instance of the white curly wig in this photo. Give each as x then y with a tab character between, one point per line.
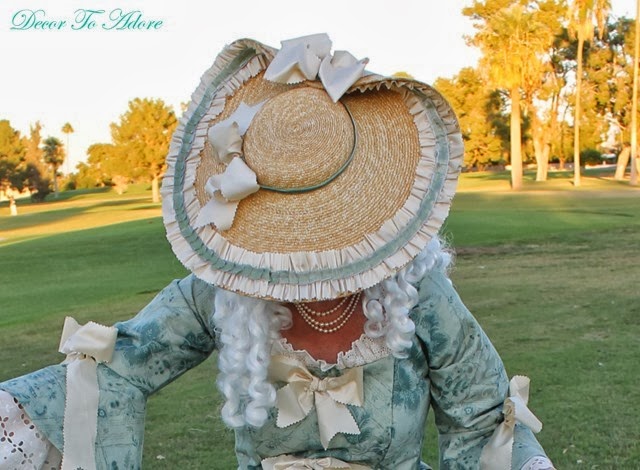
247	328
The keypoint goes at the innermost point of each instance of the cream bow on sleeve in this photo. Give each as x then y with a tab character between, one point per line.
85	347
330	396
496	454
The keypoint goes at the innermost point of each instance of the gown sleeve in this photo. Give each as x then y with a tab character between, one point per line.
468	381
169	336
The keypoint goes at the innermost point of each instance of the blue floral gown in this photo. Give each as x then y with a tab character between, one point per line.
452	368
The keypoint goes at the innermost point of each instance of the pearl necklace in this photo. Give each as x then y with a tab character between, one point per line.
331	326
315	313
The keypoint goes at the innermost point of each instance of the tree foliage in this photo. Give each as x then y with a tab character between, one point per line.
561	70
67	129
583	14
475	106
12	158
102	166
140	143
606	99
514	37
36	171
21	165
54	156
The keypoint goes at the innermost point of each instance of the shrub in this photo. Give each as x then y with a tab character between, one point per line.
41	190
590	157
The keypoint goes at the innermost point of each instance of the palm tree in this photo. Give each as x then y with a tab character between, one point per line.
582	15
634	105
513	40
54	156
68	129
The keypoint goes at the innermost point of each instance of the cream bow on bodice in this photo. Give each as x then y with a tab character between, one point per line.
291	462
330	396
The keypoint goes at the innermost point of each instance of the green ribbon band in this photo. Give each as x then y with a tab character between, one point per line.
306	189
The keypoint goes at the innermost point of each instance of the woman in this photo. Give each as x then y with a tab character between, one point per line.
305	195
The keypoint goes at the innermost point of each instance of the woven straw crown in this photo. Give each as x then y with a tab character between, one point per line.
379	166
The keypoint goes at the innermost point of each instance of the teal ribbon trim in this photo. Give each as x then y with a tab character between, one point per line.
308	277
306	189
189	234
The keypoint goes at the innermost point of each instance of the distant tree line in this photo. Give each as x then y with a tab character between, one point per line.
554	83
544	63
27	162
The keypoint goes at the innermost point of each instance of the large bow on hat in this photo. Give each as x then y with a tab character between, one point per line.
496	454
307	57
85	347
330	397
291	462
238	181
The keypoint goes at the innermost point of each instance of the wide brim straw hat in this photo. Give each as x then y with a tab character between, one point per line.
283	186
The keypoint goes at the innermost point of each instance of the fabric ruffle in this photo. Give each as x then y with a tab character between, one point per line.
363	351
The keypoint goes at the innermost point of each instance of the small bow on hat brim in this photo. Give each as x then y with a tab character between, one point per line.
226	190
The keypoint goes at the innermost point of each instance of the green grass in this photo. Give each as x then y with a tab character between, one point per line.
551	273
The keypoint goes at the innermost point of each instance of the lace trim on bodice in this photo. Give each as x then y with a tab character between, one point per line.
364	350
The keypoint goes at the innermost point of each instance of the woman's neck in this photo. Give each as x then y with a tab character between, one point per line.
326	345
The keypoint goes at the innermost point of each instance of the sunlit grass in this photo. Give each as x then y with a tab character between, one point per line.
552	276
596	178
75	210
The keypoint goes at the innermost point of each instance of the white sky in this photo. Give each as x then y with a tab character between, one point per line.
87	77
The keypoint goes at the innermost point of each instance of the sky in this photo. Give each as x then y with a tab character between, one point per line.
87	75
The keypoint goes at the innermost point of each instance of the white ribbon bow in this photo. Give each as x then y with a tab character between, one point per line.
330	397
339	72
298	59
226	141
226	191
305	57
85	346
238	180
291	462
496	454
226	136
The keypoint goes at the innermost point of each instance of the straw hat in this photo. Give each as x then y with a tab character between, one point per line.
284	186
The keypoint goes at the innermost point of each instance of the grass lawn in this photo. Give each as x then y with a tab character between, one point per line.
551	273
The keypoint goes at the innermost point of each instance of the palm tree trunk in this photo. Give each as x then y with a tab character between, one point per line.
67	156
576	119
516	141
55	181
